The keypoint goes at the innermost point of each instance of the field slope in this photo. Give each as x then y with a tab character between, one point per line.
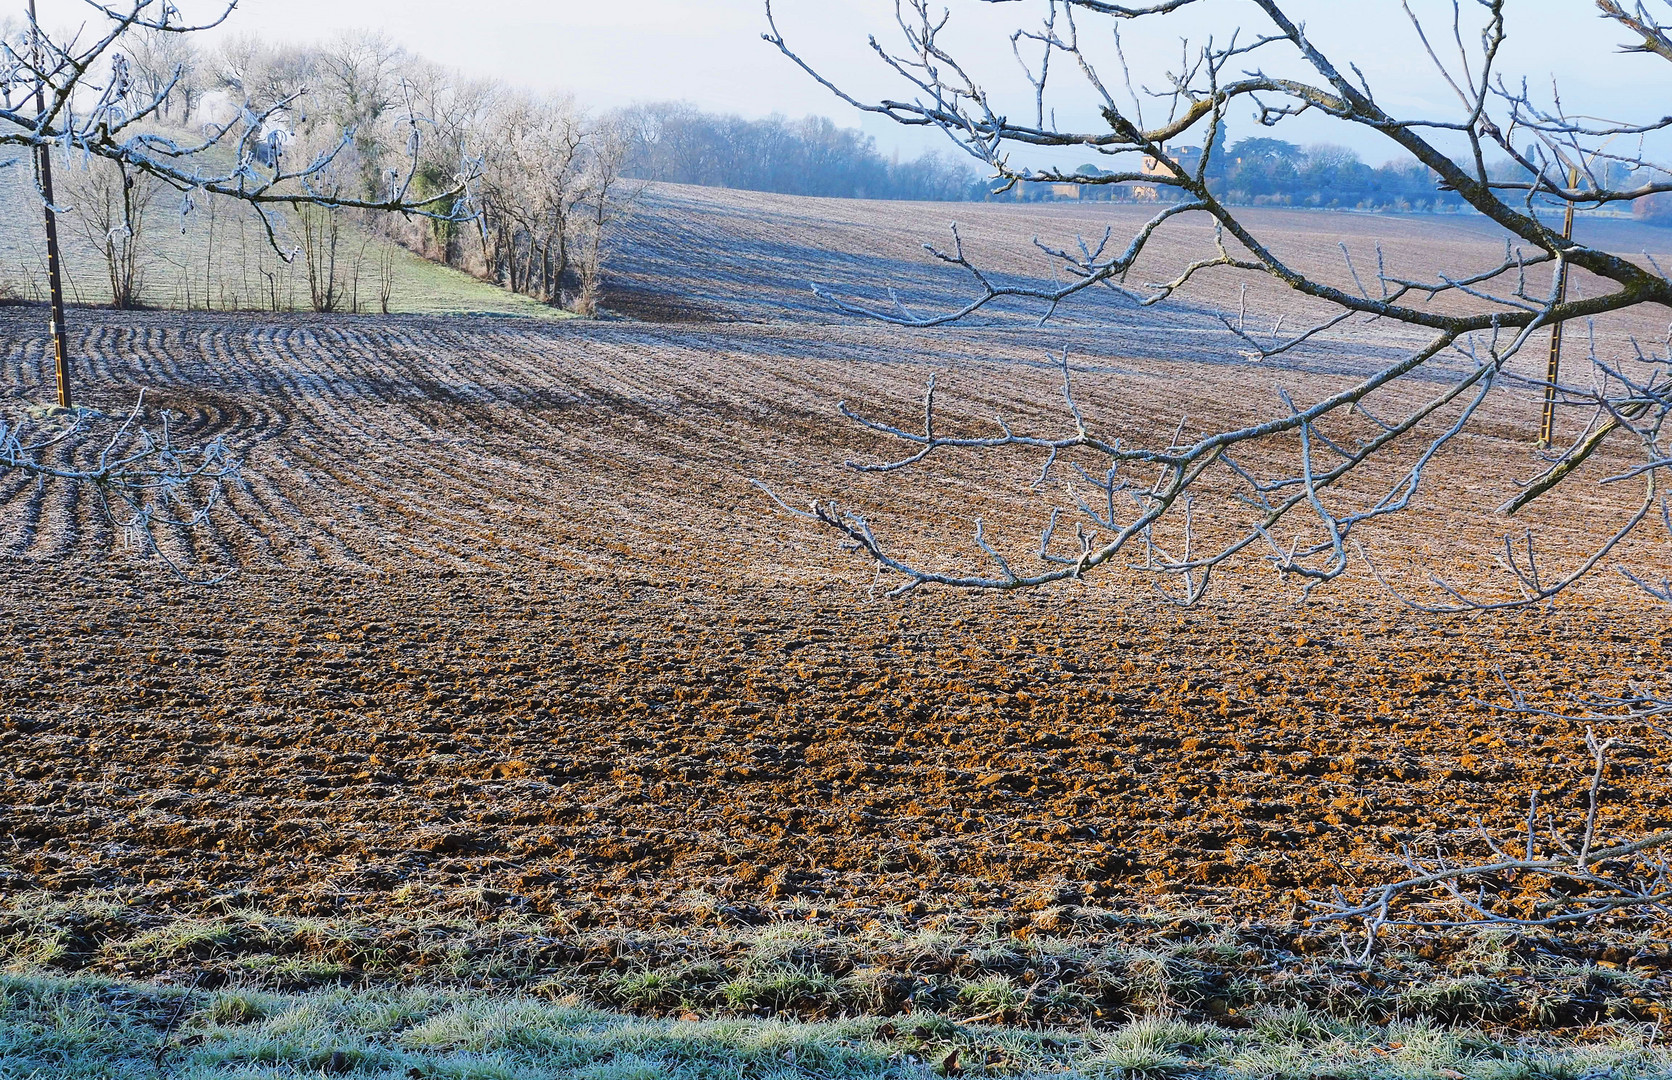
512	627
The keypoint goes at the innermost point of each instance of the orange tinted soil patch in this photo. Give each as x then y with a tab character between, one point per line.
615	744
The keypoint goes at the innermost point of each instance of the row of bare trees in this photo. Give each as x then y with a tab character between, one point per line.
546	197
681	144
546	175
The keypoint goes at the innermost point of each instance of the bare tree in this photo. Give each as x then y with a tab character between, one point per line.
261	74
456	109
94	105
359	85
112	204
167	66
531	185
601	204
1135	497
549	186
81	94
324	256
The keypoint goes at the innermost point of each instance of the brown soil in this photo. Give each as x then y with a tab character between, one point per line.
510	615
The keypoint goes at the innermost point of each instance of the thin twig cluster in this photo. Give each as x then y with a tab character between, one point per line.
1546	878
1135	501
144	482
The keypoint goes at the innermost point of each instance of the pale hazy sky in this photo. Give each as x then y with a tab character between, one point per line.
709	52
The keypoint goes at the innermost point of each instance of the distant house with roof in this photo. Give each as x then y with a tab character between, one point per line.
1187	158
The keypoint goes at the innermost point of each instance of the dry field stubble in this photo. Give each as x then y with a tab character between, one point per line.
511	619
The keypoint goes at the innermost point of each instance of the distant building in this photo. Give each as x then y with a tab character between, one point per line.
1185	157
1065	191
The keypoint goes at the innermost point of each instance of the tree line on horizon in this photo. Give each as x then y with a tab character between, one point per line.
1261	171
676	142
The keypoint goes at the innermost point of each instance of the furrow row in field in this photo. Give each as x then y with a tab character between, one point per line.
373	447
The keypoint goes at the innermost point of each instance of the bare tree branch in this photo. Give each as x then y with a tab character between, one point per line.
95	106
144	482
1489	315
1579	881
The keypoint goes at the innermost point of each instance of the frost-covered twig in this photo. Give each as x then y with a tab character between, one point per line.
1578	880
1489	316
143	481
91	104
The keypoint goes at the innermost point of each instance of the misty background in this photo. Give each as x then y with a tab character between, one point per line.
708	56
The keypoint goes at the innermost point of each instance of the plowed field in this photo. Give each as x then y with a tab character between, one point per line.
510	615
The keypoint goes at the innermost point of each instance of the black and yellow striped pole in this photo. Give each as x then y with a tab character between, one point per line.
1547	426
54	262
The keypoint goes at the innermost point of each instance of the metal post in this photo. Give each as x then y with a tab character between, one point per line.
54	262
1547	427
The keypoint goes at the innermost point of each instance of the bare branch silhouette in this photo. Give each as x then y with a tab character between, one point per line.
1576	879
144	481
1478	319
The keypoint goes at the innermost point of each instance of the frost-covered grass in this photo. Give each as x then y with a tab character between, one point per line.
87	1028
95	988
